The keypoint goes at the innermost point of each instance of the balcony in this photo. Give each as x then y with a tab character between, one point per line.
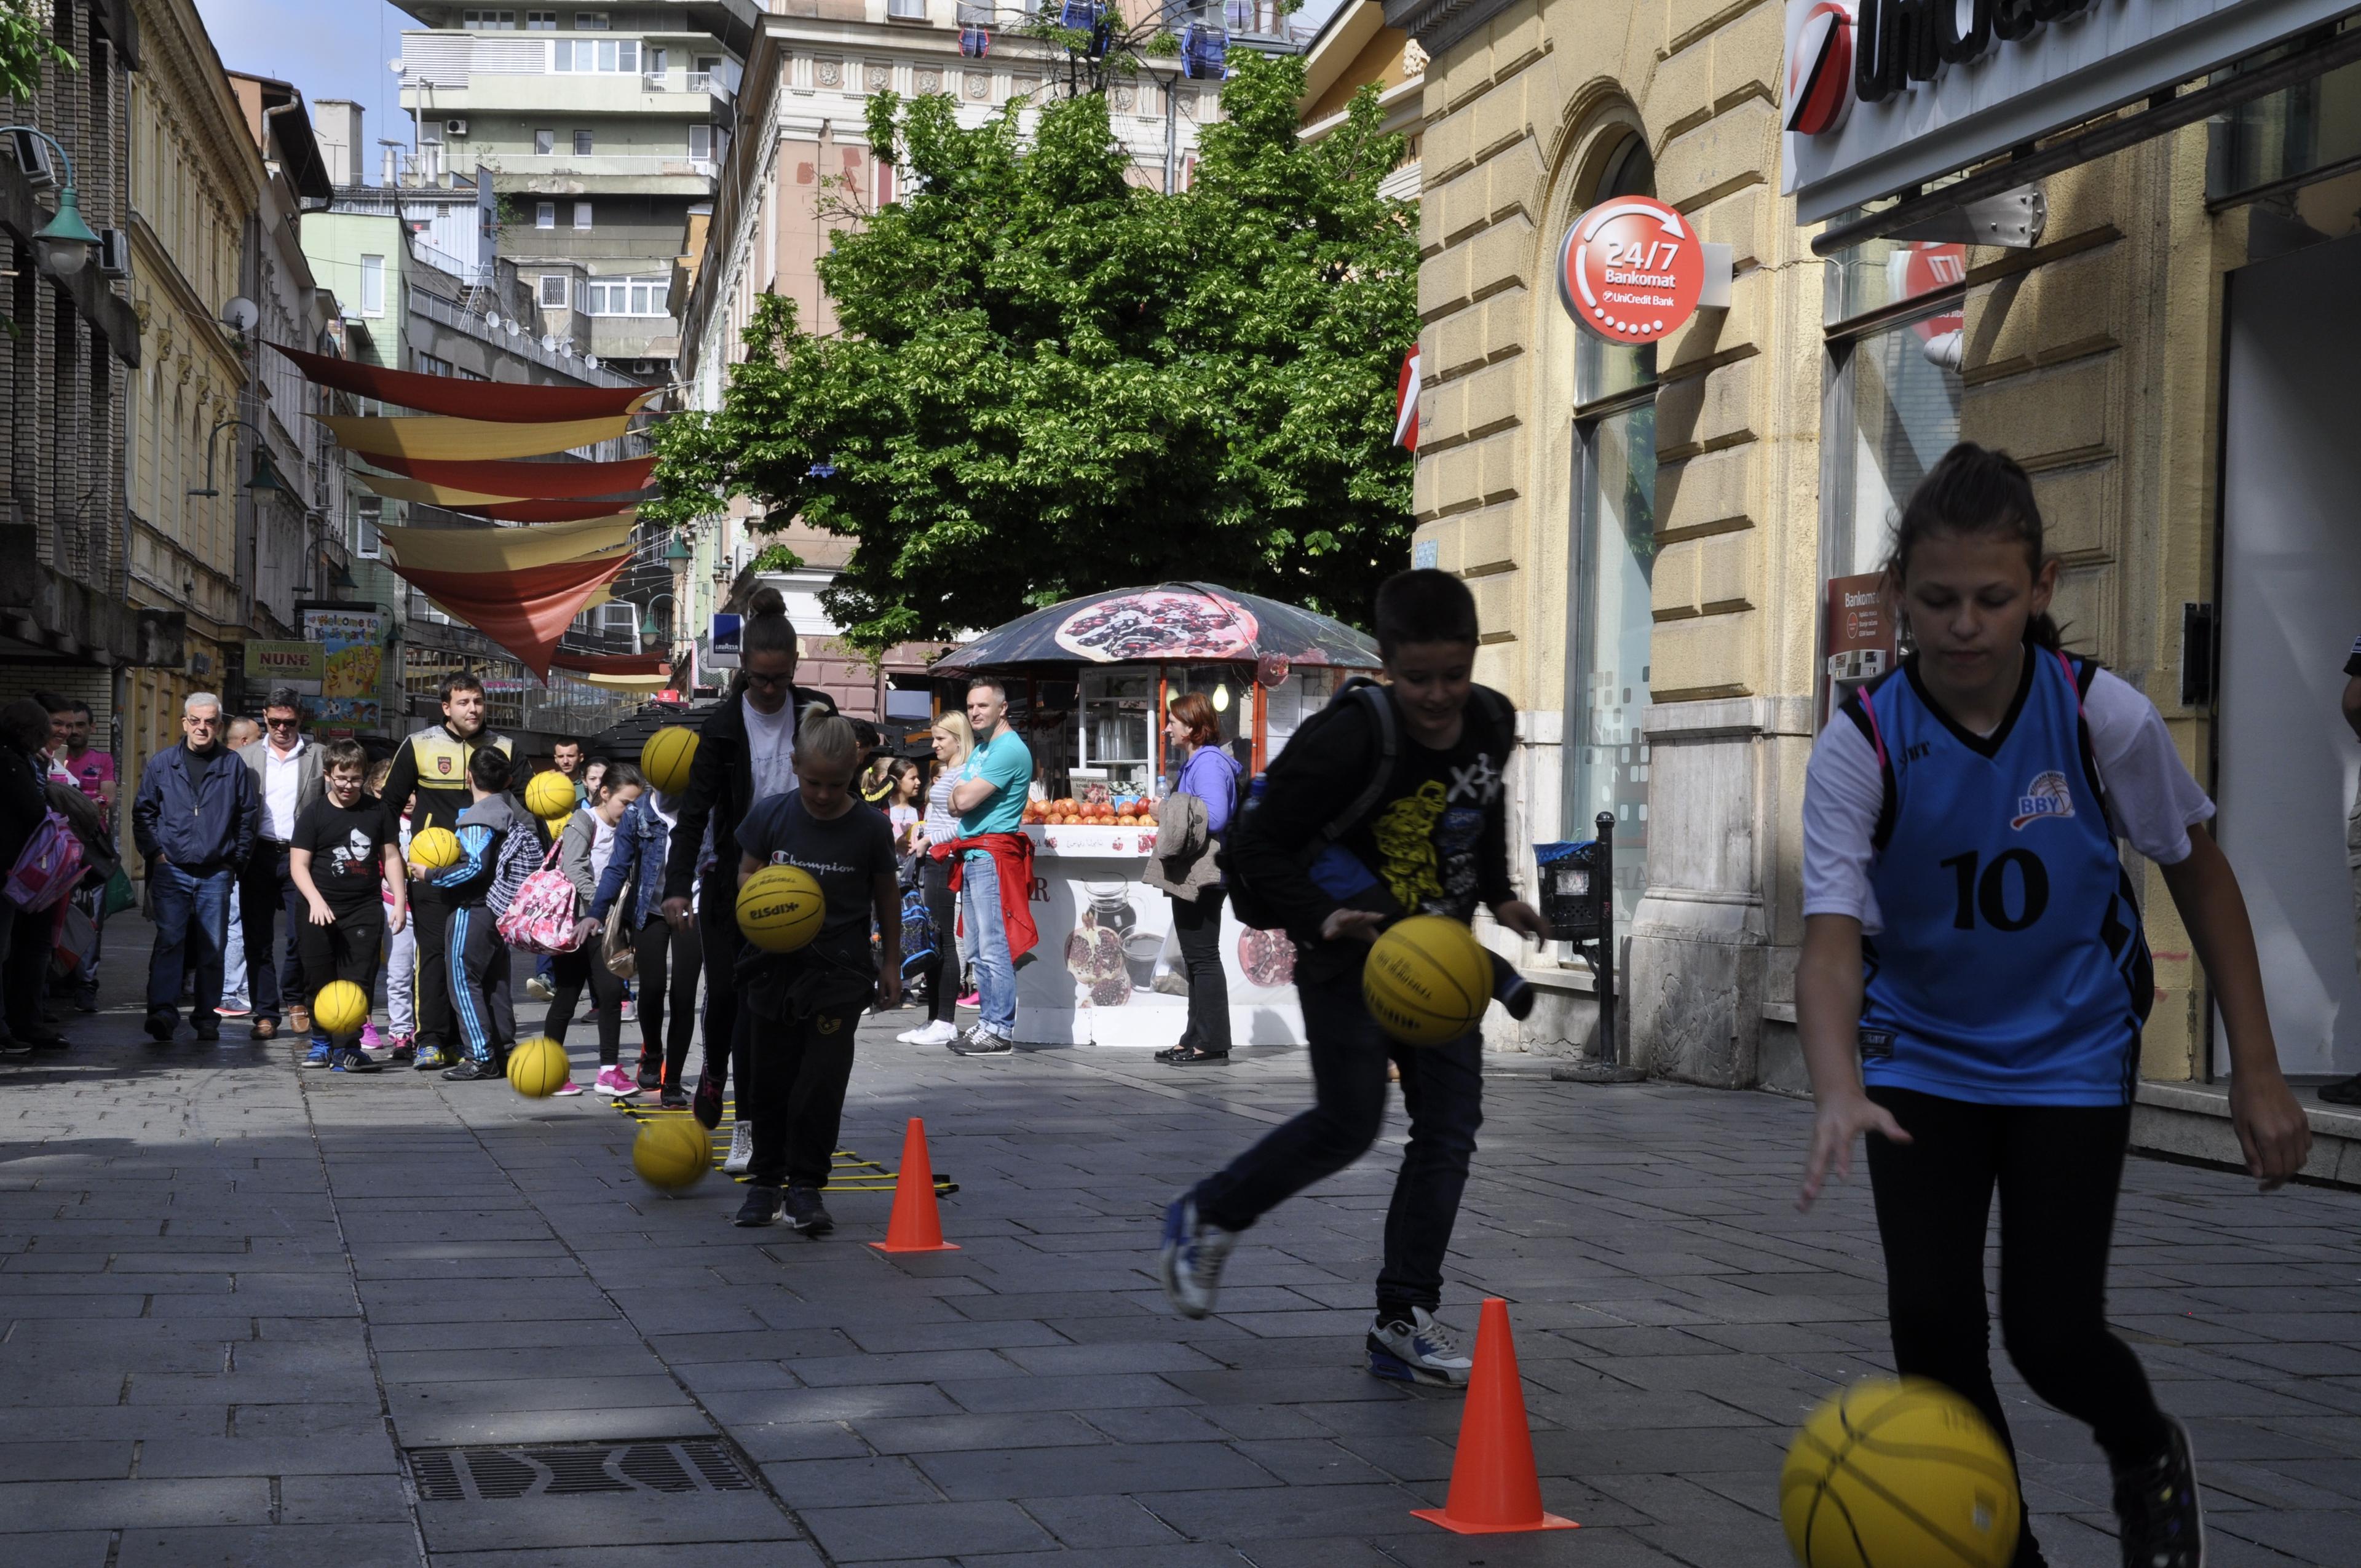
590	174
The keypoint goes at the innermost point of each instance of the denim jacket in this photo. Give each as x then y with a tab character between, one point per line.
643	838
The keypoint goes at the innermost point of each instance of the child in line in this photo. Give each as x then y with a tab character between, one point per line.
343	858
501	844
1434	842
1975	977
798	1012
400	945
619	785
668	962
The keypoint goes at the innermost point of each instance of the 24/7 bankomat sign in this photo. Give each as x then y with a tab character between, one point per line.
1886	94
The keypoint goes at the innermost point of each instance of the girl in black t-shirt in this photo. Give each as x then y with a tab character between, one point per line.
345	852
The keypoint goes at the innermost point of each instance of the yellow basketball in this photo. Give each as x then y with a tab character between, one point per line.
550	794
1899	1474
780	908
340	1009
1427	981
538	1068
665	759
434	848
557	825
672	1153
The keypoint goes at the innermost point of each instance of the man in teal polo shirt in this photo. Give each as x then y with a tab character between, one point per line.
988	799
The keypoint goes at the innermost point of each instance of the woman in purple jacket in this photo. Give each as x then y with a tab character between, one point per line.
1213	777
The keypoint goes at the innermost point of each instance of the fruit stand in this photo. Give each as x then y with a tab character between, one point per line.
1088	683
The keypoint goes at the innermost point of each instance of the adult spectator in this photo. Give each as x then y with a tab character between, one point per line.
940	826
237	735
25	936
93	771
1191	821
433	766
193	820
287	780
745	751
995	870
566	757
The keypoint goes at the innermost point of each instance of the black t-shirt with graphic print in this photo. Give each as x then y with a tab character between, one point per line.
347	848
1435	842
845	855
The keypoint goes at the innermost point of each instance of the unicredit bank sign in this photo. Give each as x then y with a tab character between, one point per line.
1884	94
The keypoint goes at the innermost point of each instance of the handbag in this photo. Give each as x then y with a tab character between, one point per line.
616	948
542	917
117	895
76	937
50	867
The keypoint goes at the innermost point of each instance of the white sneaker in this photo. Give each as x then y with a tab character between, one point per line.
1193	1253
741	1150
1417	1351
941	1032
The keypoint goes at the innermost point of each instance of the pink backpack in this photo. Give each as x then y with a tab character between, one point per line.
542	917
50	866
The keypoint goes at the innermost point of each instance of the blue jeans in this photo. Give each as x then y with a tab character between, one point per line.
192	915
1443	1088
983	939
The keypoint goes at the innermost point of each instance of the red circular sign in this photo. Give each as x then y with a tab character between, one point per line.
1632	269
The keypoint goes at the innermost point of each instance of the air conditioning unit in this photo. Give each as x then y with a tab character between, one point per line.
33	160
113	254
454	128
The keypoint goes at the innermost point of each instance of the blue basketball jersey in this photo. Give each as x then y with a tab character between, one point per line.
2011	969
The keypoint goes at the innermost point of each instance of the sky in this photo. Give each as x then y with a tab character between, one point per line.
346	59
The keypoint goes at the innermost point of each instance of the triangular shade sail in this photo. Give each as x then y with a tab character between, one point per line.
612	664
506	548
466	440
395	489
504	402
606	591
542	511
525	612
534	481
631	683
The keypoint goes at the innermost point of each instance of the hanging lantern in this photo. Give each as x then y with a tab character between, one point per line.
1221	697
1204	53
974	42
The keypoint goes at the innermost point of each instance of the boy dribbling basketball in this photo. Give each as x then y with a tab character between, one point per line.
1431	840
1975	978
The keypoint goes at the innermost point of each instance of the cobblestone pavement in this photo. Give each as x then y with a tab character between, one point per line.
235	1296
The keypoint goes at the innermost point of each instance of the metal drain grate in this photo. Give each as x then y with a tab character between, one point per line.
566	1470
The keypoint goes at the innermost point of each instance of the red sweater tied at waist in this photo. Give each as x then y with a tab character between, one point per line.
1012	857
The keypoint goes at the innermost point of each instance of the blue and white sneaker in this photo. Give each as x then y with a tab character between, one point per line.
1194	1255
1417	1350
352	1059
320	1055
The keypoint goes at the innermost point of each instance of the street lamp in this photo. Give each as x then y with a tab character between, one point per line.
65	242
264	478
648	627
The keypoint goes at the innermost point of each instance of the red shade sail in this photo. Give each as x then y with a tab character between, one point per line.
612	664
524	612
527	481
504	402
548	512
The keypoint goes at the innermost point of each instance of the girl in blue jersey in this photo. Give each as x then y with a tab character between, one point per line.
1975	977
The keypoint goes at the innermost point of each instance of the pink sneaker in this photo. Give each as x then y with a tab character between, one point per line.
566	1090
615	1081
369	1041
973	1001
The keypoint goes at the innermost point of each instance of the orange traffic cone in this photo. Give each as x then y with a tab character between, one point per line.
914	1225
1494	1488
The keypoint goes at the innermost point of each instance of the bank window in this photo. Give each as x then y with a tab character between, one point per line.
2294	152
372	285
1892	410
1610	617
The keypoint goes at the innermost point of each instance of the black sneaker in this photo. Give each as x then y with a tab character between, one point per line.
162	1027
982	1042
2163	1523
673	1099
208	1034
707	1106
85	1002
760	1208
12	1049
651	1073
352	1059
471	1071
806	1213
2344	1092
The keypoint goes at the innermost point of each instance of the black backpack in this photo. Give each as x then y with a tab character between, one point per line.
1245	900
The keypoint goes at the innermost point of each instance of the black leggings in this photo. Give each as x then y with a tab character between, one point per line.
2059	1168
682	952
585	966
942	908
1197	926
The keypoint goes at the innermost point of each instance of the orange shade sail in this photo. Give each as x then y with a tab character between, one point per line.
424	494
541	511
502	402
532	482
506	548
523	612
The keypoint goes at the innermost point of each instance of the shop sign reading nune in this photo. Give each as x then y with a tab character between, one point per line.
1886	94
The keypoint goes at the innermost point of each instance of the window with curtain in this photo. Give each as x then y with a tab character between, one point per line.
372	285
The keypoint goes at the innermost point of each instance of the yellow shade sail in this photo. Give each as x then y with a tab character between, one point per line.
467	440
601	597
629	683
506	548
424	494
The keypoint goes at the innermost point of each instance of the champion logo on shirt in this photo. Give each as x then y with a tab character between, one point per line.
2046	797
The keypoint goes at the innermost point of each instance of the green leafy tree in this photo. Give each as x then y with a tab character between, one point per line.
1052	380
26	44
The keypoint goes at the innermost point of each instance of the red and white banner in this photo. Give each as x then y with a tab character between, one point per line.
1406	402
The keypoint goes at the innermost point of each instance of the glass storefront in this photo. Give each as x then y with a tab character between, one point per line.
1615	557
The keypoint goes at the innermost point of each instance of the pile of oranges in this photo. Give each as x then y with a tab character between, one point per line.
1071	812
